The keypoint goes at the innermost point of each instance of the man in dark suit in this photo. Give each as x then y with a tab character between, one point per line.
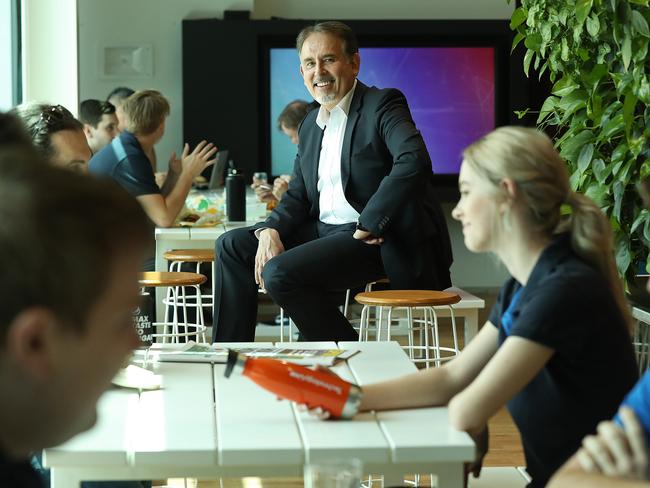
360	205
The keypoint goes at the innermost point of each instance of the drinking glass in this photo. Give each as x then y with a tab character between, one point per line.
260	178
340	473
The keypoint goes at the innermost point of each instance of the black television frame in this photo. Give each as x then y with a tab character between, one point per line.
226	76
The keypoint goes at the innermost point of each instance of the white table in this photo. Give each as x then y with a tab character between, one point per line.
206	426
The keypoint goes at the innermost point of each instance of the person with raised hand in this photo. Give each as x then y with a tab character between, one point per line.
125	159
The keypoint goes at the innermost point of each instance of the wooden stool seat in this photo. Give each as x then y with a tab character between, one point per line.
166	278
407	298
190	255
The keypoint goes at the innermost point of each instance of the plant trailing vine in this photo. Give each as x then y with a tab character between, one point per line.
595	53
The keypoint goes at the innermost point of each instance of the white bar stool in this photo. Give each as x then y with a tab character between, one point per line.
176	283
409	300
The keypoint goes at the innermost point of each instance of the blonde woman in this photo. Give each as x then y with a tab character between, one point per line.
556	349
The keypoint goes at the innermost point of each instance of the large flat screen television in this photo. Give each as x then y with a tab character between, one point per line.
457	76
450	92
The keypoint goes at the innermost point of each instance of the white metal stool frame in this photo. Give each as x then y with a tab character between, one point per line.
176	297
429	323
207	299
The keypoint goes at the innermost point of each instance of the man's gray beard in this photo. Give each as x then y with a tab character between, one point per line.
325	99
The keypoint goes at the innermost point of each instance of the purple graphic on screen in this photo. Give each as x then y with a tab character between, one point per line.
450	91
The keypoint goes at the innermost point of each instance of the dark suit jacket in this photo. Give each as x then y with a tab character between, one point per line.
387	177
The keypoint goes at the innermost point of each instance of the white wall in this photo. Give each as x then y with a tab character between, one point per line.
49	33
136	22
383	9
158	22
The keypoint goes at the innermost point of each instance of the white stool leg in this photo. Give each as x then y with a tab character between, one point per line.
347	301
453	330
389	321
437	336
427	326
200	329
363	323
282	324
409	324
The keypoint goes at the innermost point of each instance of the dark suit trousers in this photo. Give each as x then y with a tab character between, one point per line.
320	259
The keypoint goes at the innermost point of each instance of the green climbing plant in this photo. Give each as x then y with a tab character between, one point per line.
595	53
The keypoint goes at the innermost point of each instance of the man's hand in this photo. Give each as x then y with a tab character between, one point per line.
280	186
367	237
175	164
614	451
268	247
199	159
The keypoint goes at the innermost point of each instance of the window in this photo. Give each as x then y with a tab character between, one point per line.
10	65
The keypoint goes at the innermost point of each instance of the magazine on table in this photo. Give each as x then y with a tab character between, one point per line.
192	352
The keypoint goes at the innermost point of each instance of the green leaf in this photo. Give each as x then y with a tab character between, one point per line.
564	54
584	54
614	126
596	74
640	24
547	107
628	112
636	145
518	17
527	59
599	169
645	169
542	69
623	256
593	25
572	102
646	230
521	113
586	153
575	180
572	146
643	215
545	31
626	51
639	2
618	154
564	86
583	7
518	37
644	91
598	193
533	41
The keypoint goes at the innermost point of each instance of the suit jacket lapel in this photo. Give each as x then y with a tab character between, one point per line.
311	158
353	117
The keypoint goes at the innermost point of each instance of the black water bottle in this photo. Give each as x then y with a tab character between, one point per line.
235	194
142	316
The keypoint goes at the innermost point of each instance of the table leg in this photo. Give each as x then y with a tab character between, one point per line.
450	476
64	478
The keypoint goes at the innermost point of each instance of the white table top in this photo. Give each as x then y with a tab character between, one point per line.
247	431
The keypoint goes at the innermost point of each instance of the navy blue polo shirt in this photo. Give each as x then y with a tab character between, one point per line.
567	306
18	474
124	161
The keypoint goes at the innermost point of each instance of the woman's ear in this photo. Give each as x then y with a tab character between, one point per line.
30	341
509	188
